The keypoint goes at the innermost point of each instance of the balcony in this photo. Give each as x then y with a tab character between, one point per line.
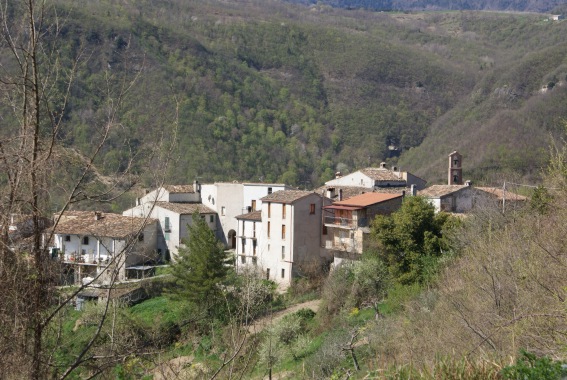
335	221
344	245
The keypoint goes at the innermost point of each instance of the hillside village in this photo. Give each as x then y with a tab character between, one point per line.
285	232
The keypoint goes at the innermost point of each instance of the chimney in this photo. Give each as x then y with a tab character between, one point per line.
98	215
338	175
413	190
196	186
382	165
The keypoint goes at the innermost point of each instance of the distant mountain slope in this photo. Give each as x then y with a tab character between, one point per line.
280	92
420	5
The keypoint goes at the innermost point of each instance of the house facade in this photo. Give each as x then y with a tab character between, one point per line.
284	237
377	179
173	207
231	199
90	243
247	240
450	198
348	223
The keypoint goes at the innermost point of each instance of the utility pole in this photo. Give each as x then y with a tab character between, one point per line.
504	197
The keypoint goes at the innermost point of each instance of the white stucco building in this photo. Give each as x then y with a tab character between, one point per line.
90	243
230	199
284	238
173	207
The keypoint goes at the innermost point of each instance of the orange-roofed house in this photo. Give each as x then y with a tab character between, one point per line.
347	223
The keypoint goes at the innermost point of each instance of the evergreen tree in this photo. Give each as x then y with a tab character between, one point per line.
202	268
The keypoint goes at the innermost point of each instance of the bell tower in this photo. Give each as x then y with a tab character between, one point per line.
455	169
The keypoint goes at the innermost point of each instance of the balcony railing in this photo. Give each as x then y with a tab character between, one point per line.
345	222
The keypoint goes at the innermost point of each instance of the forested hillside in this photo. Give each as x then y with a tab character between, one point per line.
278	92
405	5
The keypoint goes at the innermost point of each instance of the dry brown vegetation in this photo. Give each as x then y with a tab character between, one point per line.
506	291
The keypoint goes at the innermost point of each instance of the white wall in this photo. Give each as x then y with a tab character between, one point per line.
256	191
301	244
246	234
228	203
359	179
354	179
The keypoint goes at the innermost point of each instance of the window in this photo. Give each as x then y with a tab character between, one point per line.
255	261
283	252
283	210
269	209
268	274
268	231
67	237
269	190
243	259
166	236
85	240
283	231
283	273
253	229
312	208
254	205
223	211
212	219
325	230
254	244
167	224
243	245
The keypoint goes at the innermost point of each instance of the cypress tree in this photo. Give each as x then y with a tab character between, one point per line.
201	267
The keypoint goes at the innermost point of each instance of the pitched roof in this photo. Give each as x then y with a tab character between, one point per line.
286	196
367	199
253	216
351	191
382	174
437	191
106	225
185	208
179	188
500	194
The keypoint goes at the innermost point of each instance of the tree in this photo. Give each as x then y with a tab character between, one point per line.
37	169
202	268
410	239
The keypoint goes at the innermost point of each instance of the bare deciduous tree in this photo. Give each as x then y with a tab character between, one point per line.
35	88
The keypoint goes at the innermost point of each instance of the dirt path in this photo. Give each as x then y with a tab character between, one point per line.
263	322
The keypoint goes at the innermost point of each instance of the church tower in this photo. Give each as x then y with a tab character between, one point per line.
455	169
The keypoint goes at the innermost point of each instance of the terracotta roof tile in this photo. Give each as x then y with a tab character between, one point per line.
286	196
186	208
440	190
254	216
108	225
351	191
499	193
367	199
179	188
382	174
